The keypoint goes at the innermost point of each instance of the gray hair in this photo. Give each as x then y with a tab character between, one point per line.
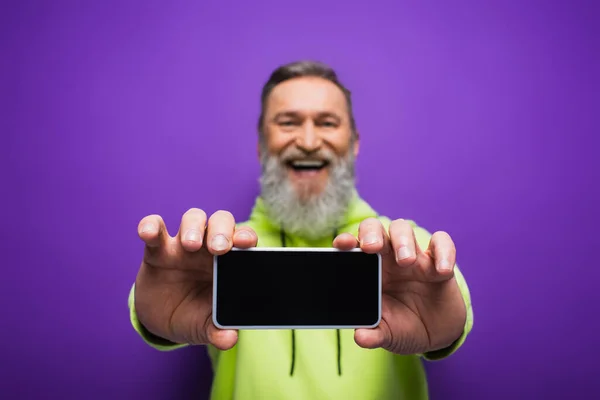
299	69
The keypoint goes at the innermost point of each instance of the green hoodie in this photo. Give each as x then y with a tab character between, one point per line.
314	364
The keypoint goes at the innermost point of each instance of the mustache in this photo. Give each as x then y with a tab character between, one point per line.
294	154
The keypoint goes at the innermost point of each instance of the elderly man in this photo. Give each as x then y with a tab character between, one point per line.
307	146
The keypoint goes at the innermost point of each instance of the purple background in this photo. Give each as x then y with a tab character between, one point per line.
479	118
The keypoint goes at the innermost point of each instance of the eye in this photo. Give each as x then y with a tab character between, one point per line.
287	123
328	124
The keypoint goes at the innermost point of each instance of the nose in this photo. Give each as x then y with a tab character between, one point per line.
309	140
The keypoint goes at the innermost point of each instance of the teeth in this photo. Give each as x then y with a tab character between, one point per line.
308	163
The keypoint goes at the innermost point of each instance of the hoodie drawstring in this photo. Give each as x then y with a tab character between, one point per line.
339	342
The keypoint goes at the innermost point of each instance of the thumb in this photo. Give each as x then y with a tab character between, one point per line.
371	338
222	339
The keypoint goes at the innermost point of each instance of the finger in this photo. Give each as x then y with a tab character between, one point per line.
152	231
223	339
345	241
372	237
403	243
221	226
370	338
443	251
245	237
191	230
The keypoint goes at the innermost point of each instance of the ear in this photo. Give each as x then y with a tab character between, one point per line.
356	145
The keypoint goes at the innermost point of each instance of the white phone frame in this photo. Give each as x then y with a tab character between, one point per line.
287	250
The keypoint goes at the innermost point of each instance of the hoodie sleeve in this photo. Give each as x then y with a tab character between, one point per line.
423	237
152	340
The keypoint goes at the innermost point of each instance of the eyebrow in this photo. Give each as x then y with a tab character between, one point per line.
295	114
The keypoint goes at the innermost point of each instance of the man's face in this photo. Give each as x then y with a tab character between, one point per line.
307	155
307	125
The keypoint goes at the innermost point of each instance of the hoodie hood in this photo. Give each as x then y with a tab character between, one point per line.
357	211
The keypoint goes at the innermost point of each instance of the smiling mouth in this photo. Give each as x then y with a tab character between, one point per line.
307	165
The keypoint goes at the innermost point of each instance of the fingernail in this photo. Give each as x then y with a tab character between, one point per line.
444	265
192	235
219	243
244	235
403	240
371	238
148	227
404	253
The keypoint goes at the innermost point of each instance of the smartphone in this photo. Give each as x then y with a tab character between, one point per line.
296	288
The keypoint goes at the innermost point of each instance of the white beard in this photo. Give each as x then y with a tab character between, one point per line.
311	217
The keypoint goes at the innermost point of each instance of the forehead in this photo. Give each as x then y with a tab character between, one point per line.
307	94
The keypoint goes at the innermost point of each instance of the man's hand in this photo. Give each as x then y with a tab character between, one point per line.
173	288
422	307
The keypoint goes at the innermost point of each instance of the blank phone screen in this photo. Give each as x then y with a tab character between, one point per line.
282	288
